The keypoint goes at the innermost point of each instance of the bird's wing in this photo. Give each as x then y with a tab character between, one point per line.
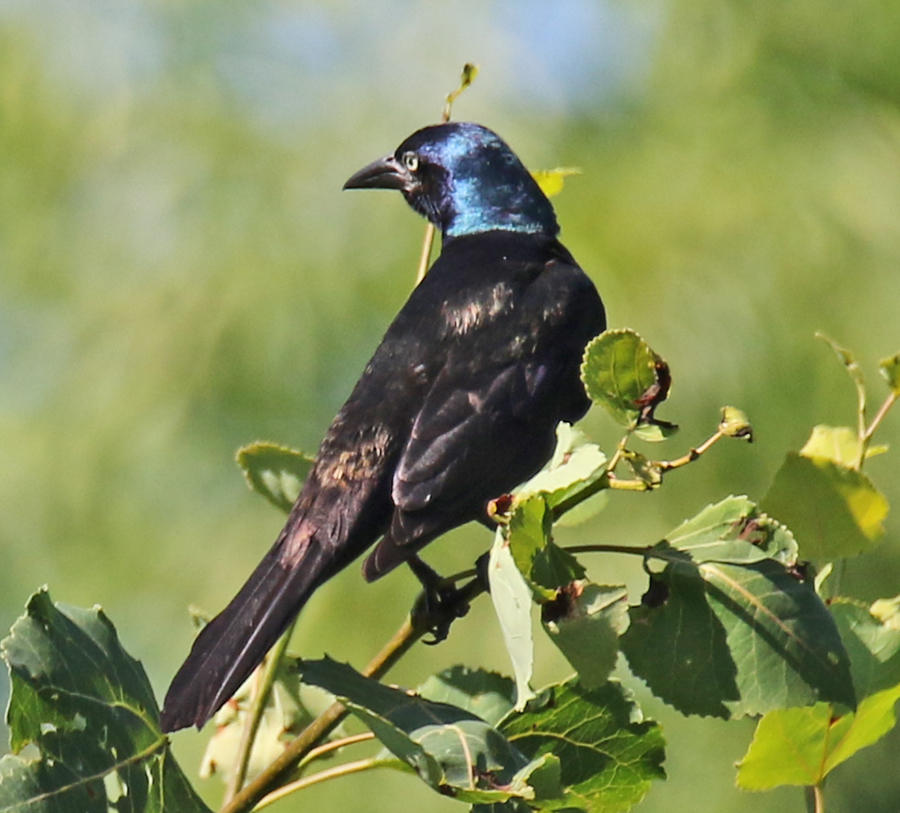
473	439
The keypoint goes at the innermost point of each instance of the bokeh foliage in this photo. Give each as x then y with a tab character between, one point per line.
180	275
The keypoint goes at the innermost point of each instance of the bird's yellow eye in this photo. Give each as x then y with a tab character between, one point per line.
411	161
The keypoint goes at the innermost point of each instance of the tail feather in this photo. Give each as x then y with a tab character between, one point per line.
230	646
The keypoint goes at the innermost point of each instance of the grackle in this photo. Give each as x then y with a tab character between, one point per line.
458	405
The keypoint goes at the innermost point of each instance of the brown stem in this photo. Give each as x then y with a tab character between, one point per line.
334	745
263	682
344	769
691	455
876	422
276	773
425	256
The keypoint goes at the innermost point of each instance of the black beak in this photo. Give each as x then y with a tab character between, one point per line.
385	173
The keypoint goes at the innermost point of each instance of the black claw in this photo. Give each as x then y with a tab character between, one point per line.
481	571
439	604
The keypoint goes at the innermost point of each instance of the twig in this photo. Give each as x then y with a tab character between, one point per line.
619	453
856	376
344	769
692	453
269	779
425	256
265	679
469	72
876	422
334	745
815	799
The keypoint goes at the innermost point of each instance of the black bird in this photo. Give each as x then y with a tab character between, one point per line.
458	405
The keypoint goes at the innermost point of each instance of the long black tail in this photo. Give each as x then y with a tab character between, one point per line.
230	646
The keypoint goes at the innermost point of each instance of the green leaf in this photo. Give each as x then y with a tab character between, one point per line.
839	444
734	530
576	465
488	695
552	181
608	755
511	597
585	622
801	746
546	566
622	374
834	511
451	749
723	639
871	636
88	708
277	472
890	369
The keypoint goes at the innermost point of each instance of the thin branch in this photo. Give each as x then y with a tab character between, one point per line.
692	453
334	745
265	679
815	799
639	550
580	496
345	769
469	72
620	484
876	422
856	376
619	453
319	728
425	256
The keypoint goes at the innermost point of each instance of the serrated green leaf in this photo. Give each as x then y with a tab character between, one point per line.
608	755
88	708
552	181
450	748
576	465
734	530
488	695
545	566
873	718
801	746
277	472
622	374
872	642
723	639
511	597
890	369
834	511
585	622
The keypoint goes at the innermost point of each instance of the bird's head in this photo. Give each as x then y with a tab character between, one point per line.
464	179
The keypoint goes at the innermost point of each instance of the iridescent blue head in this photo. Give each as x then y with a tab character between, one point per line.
464	179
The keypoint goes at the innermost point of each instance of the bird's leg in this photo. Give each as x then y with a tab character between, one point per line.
440	603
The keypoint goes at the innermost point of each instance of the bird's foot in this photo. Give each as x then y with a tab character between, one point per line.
438	605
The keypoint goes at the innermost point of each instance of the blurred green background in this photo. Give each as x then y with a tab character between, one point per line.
181	274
